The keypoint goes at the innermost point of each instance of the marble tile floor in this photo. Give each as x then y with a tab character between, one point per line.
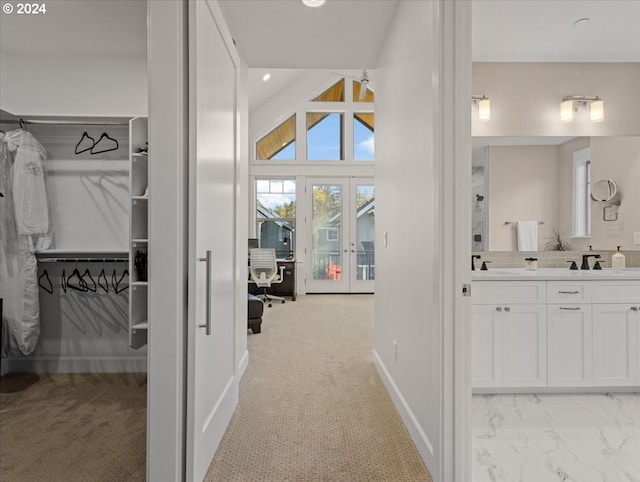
549	438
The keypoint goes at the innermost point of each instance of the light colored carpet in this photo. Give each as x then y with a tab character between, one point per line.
73	427
312	407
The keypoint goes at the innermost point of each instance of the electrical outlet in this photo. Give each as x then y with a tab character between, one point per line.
636	237
395	350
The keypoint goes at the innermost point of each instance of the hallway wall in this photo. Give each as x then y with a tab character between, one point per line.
407	307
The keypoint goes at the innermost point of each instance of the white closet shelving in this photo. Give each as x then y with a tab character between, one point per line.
138	231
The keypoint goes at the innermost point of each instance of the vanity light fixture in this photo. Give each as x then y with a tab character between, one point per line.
484	107
314	3
571	103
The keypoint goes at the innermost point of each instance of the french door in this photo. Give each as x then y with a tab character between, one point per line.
340	226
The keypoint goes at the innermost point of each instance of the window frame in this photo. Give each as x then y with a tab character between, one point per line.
581	194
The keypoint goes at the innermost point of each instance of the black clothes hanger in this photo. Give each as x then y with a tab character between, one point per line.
64	280
22	124
85	149
93	287
107	148
81	284
102	281
46	284
118	288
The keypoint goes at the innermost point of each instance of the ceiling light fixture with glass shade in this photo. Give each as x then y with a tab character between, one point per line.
571	103
314	3
484	107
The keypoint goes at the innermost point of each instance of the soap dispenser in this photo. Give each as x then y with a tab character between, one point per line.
617	260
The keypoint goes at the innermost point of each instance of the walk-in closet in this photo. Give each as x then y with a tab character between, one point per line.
74	199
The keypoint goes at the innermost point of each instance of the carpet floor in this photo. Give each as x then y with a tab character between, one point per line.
312	407
73	427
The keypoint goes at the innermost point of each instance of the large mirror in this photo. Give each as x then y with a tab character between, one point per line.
548	180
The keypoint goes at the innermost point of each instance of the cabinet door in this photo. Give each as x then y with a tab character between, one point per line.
524	342
570	345
614	345
486	346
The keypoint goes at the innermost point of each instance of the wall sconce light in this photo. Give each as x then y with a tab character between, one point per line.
571	103
484	107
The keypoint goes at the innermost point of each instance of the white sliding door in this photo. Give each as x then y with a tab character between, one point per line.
340	223
212	389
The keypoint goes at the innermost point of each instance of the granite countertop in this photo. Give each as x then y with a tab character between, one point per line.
544	274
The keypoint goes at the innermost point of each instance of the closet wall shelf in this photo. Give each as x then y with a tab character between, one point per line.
79	253
139	232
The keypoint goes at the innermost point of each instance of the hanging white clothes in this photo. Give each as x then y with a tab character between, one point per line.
22	228
29	189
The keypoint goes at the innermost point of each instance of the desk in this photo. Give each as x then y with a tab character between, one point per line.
288	285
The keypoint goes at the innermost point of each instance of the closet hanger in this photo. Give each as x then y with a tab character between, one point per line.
85	149
102	278
48	286
93	282
81	283
107	149
22	124
64	280
118	288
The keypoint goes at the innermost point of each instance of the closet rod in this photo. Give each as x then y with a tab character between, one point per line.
83	260
63	123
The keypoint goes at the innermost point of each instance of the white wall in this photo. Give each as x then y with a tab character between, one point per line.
407	202
523	185
525	98
73	86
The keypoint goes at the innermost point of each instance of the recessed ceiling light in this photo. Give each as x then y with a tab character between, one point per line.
314	3
266	77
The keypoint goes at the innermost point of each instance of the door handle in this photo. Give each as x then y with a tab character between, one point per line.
346	250
498	309
507	309
353	250
569	292
571	309
207	324
634	308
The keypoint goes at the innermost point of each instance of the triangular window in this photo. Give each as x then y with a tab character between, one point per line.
280	143
335	93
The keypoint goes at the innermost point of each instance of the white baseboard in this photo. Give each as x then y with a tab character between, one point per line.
423	444
244	363
75	365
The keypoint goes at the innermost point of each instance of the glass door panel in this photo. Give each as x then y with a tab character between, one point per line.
327	237
341	234
363	228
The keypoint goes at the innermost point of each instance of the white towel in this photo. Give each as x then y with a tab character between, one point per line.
527	235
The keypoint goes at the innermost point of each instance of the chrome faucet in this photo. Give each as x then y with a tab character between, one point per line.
585	260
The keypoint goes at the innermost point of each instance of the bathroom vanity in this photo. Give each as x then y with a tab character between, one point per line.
555	330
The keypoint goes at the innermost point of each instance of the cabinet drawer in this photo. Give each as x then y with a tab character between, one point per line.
508	292
568	292
616	292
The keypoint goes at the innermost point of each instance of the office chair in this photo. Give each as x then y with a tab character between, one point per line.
263	269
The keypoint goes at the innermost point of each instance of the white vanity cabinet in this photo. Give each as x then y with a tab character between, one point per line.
569	334
555	333
616	343
509	332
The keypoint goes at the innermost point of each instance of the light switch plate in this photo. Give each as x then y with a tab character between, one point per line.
636	237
